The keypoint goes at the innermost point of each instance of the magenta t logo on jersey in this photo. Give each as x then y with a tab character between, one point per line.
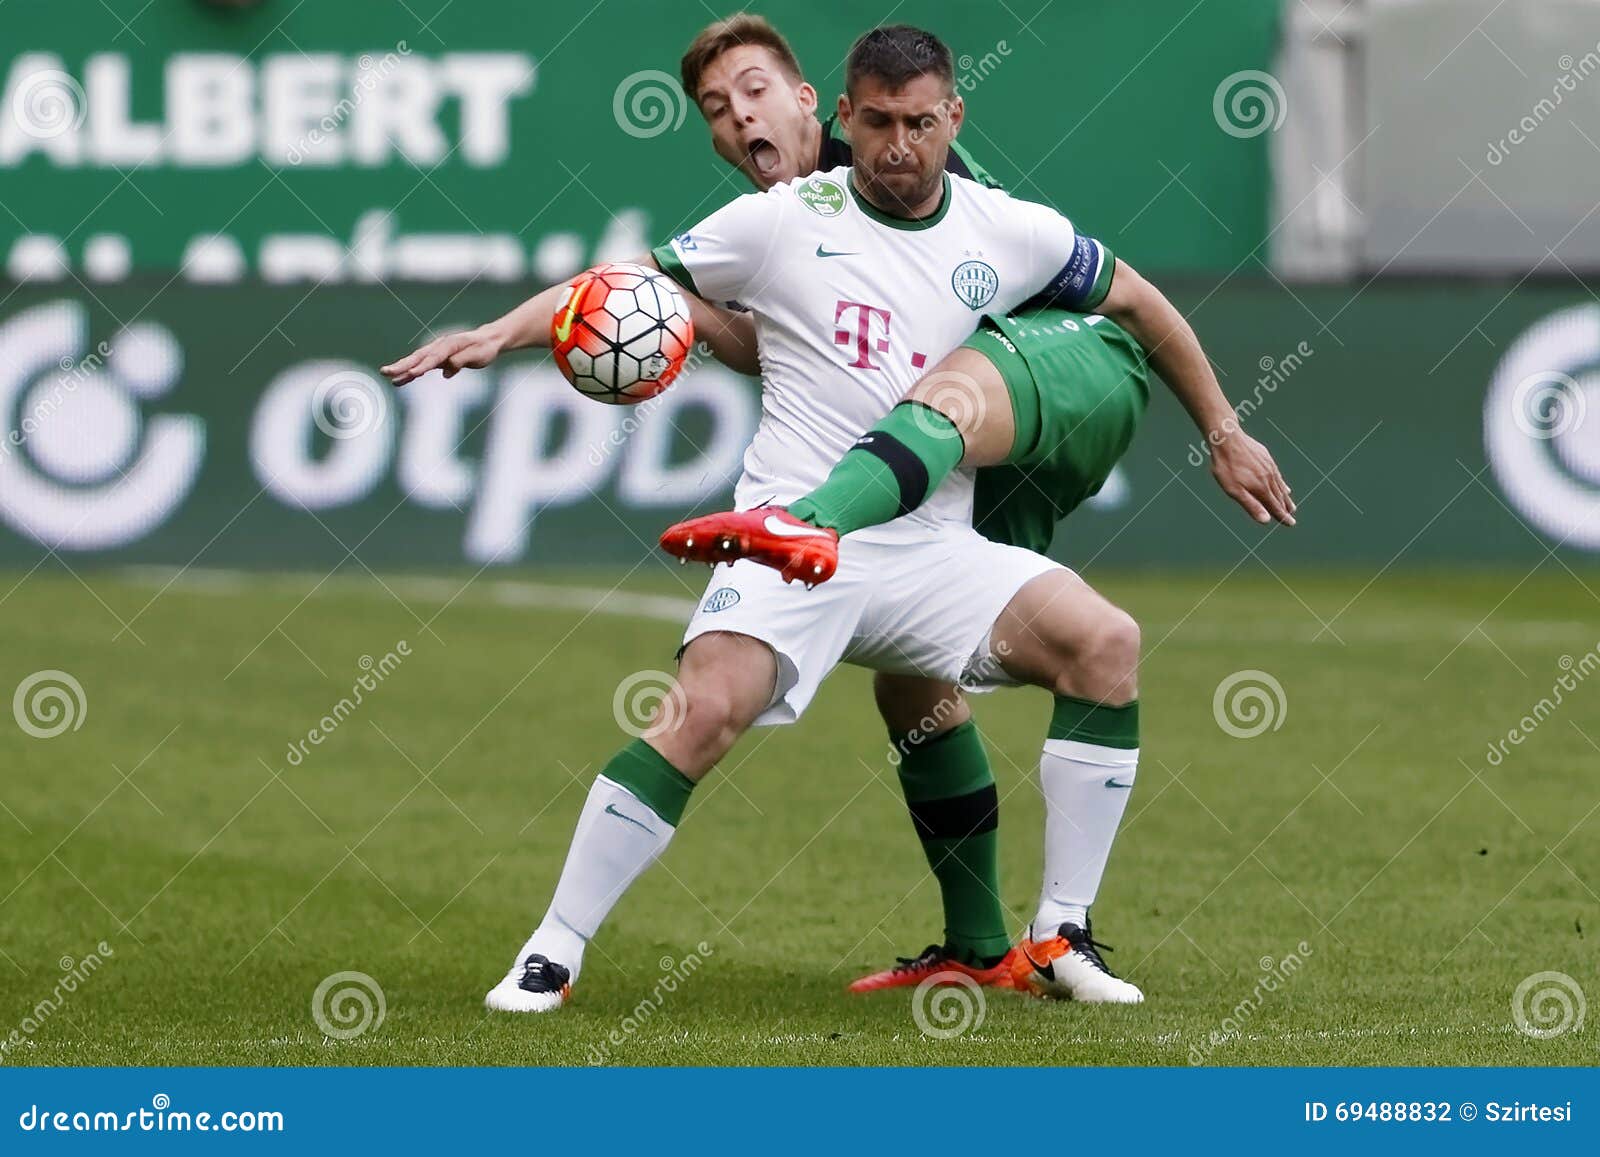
865	343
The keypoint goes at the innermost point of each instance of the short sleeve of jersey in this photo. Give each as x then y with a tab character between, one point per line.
724	257
1074	270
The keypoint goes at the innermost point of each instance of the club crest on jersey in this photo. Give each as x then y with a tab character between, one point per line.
720	600
823	197
975	283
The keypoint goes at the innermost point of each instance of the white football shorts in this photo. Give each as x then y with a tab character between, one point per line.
920	607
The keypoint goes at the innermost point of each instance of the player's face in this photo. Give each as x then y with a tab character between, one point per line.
901	140
759	115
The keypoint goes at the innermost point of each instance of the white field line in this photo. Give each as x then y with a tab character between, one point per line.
666	608
424	589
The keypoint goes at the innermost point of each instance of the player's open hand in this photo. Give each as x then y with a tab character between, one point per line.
1247	474
454	352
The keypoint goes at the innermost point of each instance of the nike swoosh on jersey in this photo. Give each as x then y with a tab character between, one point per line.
1115	782
785	530
825	252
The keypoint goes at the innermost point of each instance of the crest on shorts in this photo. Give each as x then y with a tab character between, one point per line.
720	600
823	197
975	283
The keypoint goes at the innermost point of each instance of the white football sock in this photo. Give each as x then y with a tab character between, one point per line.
1086	788
618	837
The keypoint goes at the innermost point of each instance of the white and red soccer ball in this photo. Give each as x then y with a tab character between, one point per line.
621	333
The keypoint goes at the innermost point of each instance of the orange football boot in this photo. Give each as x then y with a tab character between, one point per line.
769	535
1068	966
913	970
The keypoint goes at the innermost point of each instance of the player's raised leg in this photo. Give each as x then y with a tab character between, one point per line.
634	808
950	793
1059	633
959	413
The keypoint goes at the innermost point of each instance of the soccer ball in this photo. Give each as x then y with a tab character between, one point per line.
621	333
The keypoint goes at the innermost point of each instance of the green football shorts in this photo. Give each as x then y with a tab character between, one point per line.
1079	385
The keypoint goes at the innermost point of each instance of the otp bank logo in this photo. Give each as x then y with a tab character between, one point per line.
81	466
1541	426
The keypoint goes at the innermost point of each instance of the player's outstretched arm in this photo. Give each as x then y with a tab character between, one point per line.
731	337
1242	466
525	326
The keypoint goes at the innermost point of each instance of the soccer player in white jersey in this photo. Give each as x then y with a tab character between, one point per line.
927	595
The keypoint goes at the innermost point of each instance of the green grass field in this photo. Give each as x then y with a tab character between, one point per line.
420	842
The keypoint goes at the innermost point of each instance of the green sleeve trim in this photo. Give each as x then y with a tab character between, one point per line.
672	265
979	173
1101	289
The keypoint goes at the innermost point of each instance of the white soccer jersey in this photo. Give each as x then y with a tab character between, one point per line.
852	306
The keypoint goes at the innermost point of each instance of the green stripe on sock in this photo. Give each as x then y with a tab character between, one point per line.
646	773
949	766
1085	721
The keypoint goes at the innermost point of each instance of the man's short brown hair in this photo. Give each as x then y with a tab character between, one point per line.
715	39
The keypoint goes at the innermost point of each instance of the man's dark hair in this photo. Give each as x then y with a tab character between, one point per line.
736	30
895	55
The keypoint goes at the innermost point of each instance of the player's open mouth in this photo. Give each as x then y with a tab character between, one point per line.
764	158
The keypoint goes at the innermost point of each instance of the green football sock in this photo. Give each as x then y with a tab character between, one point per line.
950	792
646	773
890	471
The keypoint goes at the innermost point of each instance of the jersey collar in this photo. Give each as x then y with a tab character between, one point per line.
883	218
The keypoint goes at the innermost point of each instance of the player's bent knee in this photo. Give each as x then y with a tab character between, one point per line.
1108	663
967	388
712	723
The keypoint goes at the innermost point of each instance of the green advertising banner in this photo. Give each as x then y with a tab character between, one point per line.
1418	423
370	140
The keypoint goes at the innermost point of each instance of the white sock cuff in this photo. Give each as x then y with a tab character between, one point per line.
1094	753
